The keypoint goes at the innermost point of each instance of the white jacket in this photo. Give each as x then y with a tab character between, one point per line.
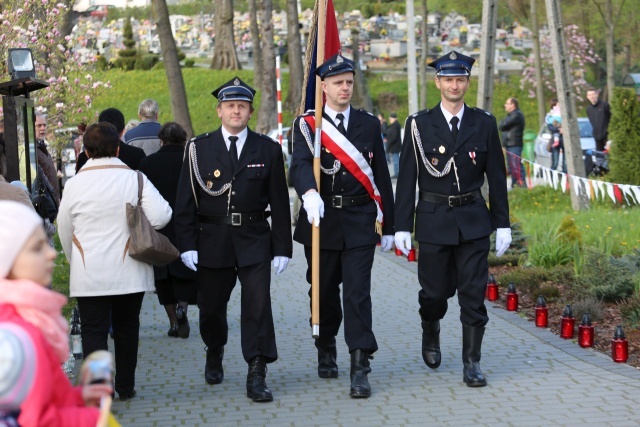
92	226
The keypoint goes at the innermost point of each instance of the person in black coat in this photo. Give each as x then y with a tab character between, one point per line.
512	128
228	179
447	151
175	283
355	202
130	155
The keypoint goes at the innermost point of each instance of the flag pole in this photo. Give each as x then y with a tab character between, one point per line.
315	231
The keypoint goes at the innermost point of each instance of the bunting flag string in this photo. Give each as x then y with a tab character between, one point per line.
593	189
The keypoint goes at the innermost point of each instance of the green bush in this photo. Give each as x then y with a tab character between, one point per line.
102	64
630	310
158	66
189	63
550	292
568	231
526	279
603	279
146	62
548	251
594	307
624	131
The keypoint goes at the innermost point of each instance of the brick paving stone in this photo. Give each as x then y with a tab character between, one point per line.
535	378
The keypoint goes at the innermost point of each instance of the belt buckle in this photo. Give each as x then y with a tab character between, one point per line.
236	219
451	200
336	202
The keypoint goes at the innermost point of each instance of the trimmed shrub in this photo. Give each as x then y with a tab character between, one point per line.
603	279
588	305
189	63
146	62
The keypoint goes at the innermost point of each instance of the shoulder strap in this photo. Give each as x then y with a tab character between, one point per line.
140	186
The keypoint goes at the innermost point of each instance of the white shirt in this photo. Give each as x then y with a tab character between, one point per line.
242	137
448	116
333	113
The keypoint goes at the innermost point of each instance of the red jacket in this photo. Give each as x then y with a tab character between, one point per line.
52	401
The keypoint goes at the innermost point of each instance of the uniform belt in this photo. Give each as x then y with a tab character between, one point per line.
235	219
463	199
344	201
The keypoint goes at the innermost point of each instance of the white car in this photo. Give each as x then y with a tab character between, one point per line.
273	134
543	157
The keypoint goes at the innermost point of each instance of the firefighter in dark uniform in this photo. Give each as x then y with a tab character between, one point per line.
228	179
356	215
448	150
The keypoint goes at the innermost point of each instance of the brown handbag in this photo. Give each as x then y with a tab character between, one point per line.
145	243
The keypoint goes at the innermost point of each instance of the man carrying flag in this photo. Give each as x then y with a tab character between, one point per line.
355	204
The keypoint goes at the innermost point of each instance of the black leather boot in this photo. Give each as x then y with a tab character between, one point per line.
256	381
327	354
431	343
213	373
359	369
471	345
183	323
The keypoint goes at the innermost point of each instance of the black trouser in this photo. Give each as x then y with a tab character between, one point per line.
257	333
173	290
352	268
123	313
443	270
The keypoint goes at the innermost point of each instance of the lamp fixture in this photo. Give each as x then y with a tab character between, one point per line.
20	63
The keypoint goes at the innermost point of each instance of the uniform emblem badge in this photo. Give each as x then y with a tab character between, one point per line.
209	185
434	161
236	82
453	56
216	173
441	149
339	59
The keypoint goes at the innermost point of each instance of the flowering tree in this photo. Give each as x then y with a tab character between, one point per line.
581	52
73	80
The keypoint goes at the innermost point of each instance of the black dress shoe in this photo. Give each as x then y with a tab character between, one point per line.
183	323
257	389
126	396
213	372
173	331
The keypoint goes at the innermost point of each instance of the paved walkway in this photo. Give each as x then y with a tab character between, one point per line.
535	378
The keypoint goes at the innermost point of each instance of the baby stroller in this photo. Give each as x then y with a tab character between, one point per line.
596	163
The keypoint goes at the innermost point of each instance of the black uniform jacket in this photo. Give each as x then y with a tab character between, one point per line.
163	170
478	141
257	182
353	226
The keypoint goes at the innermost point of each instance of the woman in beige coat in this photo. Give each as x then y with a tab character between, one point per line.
106	281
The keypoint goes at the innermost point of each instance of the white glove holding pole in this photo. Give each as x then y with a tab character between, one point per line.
403	241
280	263
314	206
386	242
503	240
190	259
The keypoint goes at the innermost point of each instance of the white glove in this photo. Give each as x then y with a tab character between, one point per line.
385	243
503	240
403	241
314	206
280	263
190	259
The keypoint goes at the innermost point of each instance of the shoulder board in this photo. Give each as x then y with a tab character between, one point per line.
268	138
420	113
309	113
365	111
479	110
195	138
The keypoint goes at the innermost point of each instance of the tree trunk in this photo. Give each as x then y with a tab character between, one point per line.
255	42
609	43
268	109
422	66
535	35
361	96
177	92
224	53
294	53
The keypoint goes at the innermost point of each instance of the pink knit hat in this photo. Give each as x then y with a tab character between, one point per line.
17	224
17	366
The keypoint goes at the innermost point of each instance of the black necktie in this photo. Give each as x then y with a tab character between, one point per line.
233	151
454	127
340	126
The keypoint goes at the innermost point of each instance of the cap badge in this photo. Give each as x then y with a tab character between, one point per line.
453	56
216	173
441	149
339	59
236	82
